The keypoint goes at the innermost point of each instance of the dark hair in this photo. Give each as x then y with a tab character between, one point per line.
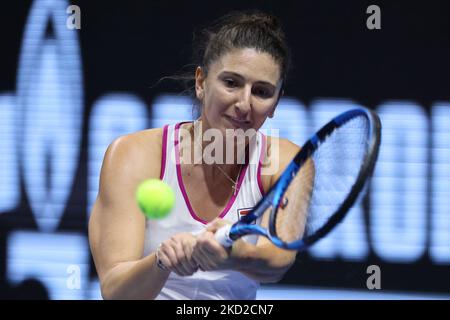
237	30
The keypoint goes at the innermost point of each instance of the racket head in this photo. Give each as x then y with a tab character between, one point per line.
315	218
325	179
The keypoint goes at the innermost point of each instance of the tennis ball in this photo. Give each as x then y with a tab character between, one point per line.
155	198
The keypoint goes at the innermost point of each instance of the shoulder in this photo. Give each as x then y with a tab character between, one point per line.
137	153
286	146
279	153
139	141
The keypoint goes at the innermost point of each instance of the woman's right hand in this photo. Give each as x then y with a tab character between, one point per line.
176	254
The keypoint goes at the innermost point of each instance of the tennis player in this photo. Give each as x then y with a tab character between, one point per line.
239	79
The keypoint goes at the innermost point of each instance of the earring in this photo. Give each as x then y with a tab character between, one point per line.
271	114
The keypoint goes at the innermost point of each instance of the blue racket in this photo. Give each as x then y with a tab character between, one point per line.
318	187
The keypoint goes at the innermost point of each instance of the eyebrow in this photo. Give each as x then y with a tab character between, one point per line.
241	77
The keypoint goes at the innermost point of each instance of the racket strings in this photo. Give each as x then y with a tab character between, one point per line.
324	181
338	162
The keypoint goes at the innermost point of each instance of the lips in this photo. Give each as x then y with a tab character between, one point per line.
238	123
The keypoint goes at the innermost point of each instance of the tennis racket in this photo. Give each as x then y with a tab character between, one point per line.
318	187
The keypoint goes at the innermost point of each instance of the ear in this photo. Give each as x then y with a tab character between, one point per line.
199	83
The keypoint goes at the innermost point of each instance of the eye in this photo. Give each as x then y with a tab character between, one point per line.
263	92
230	83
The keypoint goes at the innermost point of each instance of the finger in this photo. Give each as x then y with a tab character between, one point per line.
162	260
200	259
191	264
183	259
168	249
212	247
204	262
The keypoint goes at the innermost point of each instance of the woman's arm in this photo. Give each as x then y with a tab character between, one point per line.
264	261
117	228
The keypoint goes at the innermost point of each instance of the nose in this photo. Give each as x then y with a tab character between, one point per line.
243	106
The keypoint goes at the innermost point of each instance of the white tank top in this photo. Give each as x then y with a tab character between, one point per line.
222	284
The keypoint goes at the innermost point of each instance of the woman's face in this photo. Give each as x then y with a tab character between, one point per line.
240	90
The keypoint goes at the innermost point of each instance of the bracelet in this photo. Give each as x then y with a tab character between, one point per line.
159	263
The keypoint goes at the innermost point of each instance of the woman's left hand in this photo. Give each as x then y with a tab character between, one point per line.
208	253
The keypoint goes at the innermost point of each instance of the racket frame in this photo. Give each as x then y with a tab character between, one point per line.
275	194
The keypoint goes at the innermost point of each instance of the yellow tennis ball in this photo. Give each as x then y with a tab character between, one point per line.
155	198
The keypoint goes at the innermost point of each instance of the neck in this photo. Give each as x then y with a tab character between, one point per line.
212	146
210	152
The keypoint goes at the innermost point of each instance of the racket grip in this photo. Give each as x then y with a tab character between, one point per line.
223	236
